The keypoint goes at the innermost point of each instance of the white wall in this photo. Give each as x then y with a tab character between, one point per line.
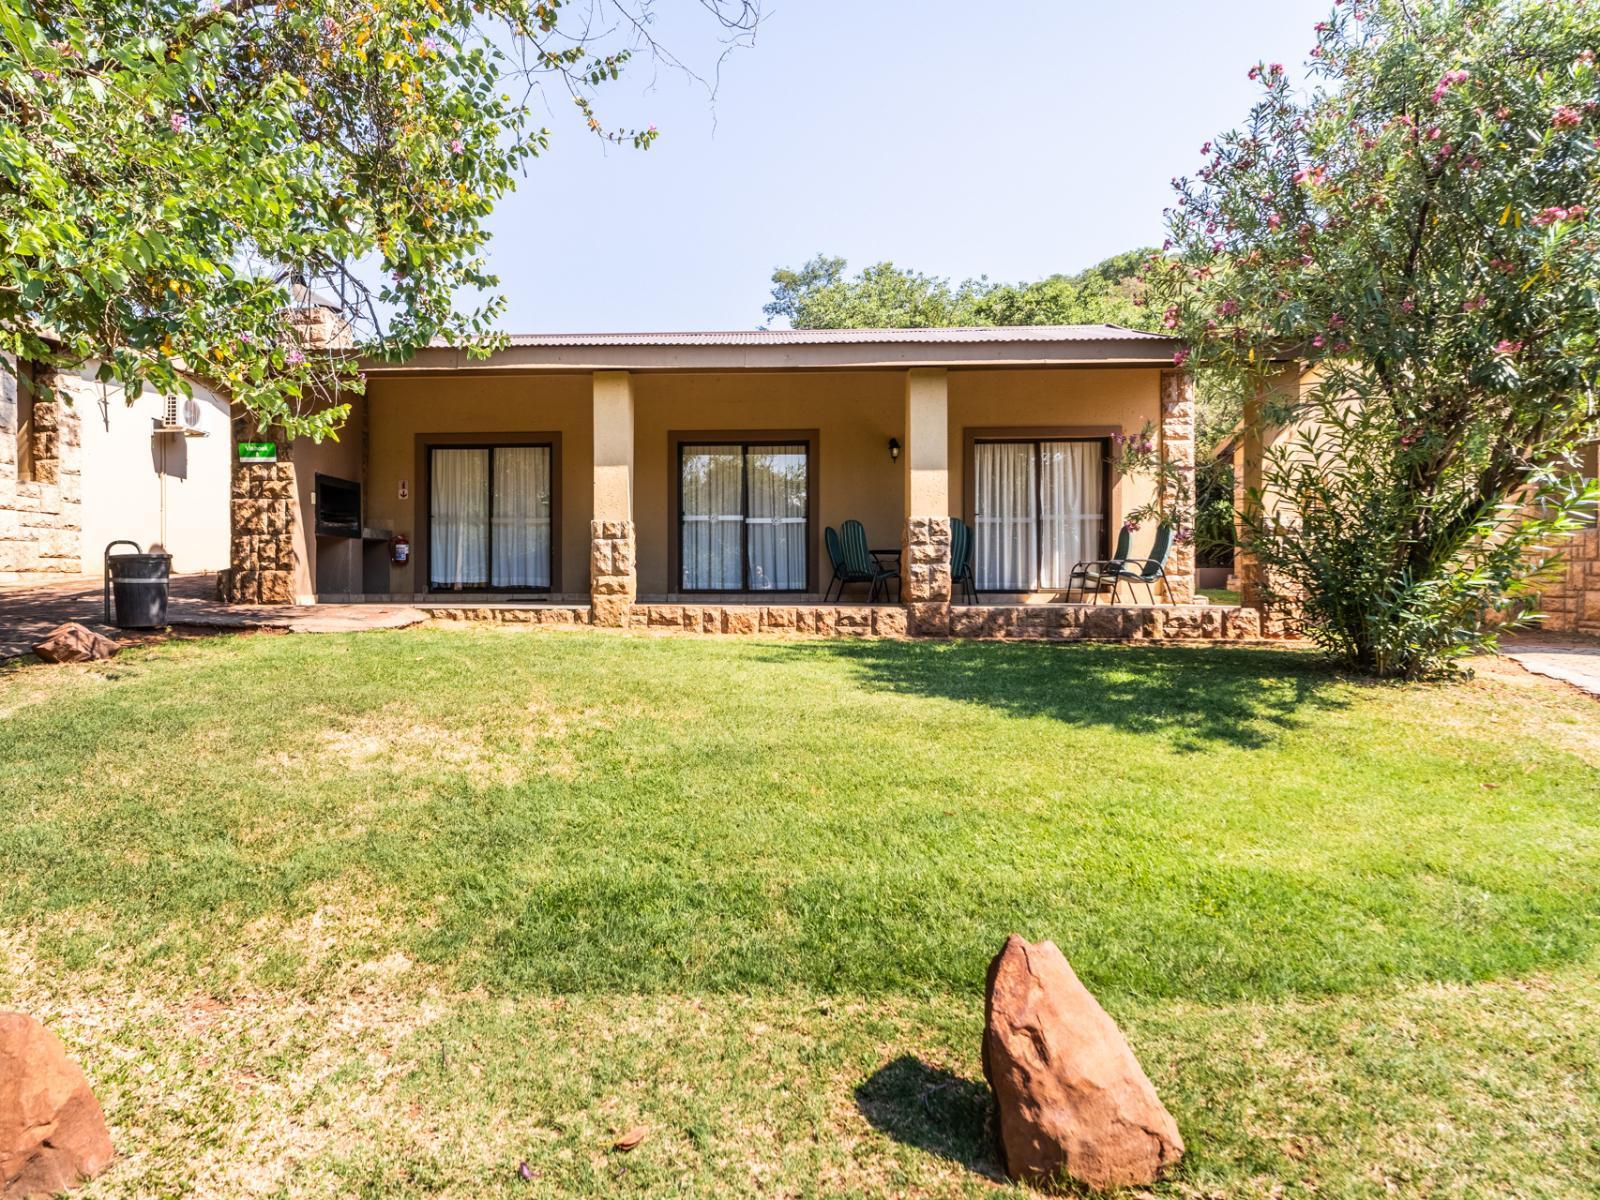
170	491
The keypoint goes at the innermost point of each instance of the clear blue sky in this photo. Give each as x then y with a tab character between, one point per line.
1008	139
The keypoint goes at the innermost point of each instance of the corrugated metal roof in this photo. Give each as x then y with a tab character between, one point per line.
969	335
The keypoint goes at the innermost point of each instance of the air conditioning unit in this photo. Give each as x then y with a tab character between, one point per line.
181	417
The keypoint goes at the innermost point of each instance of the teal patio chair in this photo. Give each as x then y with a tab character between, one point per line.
961	560
1148	571
1101	574
853	562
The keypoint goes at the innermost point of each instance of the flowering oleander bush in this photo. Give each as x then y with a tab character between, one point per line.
1418	231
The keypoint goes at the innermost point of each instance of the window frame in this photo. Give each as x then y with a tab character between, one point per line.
1034	436
422	554
743	439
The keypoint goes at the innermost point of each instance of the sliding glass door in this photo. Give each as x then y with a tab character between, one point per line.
1039	508
489	517
744	516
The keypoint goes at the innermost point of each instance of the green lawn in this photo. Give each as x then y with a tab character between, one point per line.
389	914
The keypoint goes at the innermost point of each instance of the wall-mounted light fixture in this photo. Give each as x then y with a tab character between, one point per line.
894	449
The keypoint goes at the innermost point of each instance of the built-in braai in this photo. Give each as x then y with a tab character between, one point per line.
338	507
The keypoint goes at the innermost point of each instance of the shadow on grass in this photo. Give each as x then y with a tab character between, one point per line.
933	1110
1196	697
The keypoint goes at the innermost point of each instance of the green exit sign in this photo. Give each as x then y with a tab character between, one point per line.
258	452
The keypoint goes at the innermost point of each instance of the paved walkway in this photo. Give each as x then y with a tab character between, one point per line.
28	613
1574	662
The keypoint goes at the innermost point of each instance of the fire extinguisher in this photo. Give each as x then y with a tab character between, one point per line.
399	549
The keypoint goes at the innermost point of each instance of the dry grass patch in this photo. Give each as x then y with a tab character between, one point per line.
387	1090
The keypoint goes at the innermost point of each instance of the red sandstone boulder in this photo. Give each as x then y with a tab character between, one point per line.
52	1132
74	643
1071	1100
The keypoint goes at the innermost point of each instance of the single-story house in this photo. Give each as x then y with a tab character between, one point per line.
82	467
611	470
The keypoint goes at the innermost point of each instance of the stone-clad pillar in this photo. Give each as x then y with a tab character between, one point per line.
613	559
264	515
925	563
262	559
1177	449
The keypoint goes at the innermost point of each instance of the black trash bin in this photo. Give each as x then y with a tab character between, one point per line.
138	584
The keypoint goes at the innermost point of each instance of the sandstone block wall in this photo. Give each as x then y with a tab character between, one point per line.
41	525
1007	622
1571	602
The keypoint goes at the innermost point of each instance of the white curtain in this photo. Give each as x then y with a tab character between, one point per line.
521	517
777	518
1006	536
713	516
1070	508
458	555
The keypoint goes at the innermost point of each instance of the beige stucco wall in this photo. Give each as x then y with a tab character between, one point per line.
855	413
1123	399
401	408
336	561
170	490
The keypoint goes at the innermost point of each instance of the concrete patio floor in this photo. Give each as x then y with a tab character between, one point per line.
1571	661
28	613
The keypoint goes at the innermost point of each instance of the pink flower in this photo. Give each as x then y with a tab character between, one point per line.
1407	306
1550	216
1275	69
178	122
1274	221
455	146
1474	304
1447	81
1576	212
294	358
1318	341
1507	346
1170	318
1181	357
1228	308
1566	117
1336	322
1255	72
